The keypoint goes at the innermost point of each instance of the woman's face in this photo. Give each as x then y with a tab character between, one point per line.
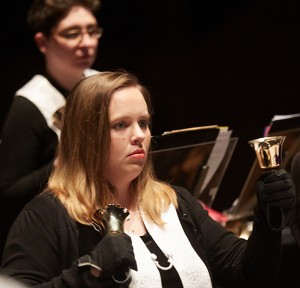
73	42
130	135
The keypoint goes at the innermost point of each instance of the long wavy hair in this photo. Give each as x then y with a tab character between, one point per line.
78	178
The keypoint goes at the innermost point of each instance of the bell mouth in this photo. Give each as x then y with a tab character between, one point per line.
111	218
268	151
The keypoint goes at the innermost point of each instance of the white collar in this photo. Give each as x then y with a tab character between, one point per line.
172	240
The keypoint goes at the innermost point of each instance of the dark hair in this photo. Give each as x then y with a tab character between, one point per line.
44	14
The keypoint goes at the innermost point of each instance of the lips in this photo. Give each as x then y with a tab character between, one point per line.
139	153
85	59
86	56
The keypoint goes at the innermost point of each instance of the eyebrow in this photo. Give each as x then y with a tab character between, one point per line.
126	117
77	27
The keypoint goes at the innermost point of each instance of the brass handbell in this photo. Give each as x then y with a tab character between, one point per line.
111	219
269	155
268	151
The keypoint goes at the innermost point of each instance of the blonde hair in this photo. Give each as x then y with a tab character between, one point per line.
78	179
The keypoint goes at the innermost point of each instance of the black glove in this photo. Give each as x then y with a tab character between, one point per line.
276	196
112	255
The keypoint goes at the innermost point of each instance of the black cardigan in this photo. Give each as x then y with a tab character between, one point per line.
44	244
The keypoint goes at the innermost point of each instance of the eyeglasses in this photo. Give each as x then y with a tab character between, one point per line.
76	34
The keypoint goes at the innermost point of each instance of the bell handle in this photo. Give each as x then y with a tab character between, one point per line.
283	221
270	209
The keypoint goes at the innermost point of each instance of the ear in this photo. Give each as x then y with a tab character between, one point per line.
41	42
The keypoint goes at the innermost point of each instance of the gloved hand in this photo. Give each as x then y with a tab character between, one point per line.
276	196
112	254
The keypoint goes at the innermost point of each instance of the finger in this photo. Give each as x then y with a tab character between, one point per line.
277	175
129	259
133	265
275	197
270	188
287	204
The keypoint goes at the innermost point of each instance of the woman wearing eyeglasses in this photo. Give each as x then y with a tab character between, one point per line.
67	34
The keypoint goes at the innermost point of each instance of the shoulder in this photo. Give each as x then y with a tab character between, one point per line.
45	208
46	203
43	234
25	118
187	202
44	215
184	194
22	105
42	200
23	113
180	190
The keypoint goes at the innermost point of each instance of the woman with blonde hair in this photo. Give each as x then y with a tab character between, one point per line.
104	164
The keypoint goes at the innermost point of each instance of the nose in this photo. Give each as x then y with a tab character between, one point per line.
138	135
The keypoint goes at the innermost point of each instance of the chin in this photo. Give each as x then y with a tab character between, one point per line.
84	63
83	67
135	172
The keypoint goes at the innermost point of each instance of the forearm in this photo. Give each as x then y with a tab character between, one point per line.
261	263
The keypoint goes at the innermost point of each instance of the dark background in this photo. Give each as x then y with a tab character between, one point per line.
225	62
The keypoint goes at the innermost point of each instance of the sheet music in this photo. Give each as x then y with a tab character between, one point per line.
216	156
195	158
276	120
189	129
283	117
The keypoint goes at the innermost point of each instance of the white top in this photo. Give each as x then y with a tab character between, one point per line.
46	97
172	240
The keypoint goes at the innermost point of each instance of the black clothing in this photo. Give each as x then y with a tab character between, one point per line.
27	146
294	217
26	151
44	244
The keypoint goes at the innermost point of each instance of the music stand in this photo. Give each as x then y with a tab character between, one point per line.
195	160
